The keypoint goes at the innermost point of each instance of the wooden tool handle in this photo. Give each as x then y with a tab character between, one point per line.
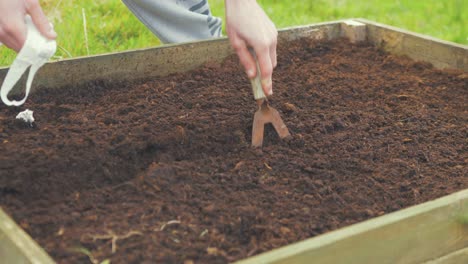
256	82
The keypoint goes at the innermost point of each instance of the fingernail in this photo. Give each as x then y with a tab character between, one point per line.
52	31
250	74
267	83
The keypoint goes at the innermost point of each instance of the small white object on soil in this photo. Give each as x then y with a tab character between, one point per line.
26	116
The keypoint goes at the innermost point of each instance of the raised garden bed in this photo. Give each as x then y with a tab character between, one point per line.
161	169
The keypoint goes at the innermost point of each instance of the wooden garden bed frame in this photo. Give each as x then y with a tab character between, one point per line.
432	232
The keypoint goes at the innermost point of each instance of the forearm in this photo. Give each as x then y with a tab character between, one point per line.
228	3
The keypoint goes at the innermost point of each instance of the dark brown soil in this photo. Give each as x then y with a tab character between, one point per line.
163	171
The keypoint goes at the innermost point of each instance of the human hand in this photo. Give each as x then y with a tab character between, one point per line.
13	25
247	26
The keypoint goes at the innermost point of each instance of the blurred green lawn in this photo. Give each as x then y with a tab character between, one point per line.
111	27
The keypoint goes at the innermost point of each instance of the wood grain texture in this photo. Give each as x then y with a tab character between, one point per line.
17	246
457	257
353	30
442	54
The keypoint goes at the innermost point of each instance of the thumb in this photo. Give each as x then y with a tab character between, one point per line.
39	19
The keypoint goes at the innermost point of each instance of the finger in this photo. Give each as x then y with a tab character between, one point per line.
273	43
39	19
14	35
14	45
274	59
266	69
245	57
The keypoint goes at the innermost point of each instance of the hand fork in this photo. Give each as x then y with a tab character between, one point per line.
265	113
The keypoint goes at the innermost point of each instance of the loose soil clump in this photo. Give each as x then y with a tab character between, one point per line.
162	170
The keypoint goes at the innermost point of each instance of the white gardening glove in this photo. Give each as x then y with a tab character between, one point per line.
247	25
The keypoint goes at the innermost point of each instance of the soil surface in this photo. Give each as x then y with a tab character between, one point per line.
163	171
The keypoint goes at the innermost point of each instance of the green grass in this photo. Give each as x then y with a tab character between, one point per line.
111	27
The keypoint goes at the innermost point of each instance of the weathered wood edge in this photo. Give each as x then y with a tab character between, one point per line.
441	53
457	257
413	235
18	247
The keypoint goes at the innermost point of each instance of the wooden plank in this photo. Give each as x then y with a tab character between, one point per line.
319	31
151	62
457	257
442	54
18	247
413	235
